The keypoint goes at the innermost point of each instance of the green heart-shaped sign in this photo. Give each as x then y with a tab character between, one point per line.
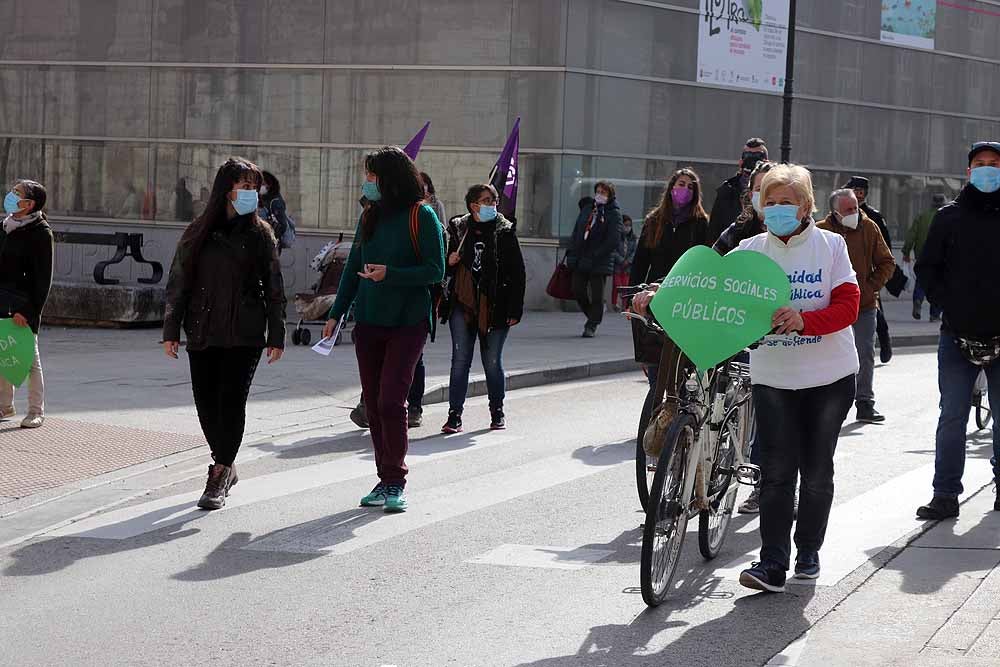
712	307
17	352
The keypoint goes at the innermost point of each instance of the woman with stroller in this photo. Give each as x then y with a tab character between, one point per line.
486	299
225	290
398	254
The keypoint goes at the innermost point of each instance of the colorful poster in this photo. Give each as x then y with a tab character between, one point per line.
909	22
742	43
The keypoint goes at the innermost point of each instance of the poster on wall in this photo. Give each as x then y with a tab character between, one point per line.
741	43
909	22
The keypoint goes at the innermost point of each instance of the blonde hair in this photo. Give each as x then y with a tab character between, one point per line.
797	178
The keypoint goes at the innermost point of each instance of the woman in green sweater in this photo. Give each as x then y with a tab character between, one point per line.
398	253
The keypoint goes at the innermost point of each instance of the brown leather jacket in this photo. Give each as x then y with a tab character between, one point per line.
870	256
236	297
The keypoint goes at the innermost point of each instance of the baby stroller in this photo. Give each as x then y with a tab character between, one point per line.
314	306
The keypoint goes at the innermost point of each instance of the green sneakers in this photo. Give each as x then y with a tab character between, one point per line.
395	500
375	498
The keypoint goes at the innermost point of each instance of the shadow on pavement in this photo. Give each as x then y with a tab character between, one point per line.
608	454
241	554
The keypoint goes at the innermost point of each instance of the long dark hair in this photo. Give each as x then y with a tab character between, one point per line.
273	185
230	173
399	183
429	183
663	215
749	213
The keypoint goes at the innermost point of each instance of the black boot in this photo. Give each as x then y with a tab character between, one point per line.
939	508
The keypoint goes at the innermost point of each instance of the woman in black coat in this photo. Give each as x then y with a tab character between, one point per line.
225	290
486	298
591	255
25	280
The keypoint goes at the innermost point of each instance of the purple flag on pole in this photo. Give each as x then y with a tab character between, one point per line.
504	174
413	148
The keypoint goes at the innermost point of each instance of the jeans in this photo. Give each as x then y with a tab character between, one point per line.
918	301
463	340
387	357
221	379
588	288
415	399
798	432
956	379
864	341
36	388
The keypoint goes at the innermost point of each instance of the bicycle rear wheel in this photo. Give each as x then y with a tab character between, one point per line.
983	414
643	474
667	513
713	523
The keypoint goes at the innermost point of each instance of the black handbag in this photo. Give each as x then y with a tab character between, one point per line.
647	343
897	283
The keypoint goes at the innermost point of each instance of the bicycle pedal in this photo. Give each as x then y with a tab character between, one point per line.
748	474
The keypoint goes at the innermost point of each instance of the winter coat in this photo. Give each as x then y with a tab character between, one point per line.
236	297
26	270
959	268
273	212
870	256
738	232
916	236
727	207
653	264
625	254
508	286
596	254
875	216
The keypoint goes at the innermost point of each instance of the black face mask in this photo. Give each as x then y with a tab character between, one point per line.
750	160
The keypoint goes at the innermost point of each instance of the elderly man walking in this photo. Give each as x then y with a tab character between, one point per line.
873	263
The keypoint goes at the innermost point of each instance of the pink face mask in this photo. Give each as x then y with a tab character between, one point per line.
681	196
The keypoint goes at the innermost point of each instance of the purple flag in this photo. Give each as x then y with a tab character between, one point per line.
504	174
413	148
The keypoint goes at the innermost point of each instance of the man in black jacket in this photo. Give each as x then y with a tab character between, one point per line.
728	203
860	186
595	239
959	271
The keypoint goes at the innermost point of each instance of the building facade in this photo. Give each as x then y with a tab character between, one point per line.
124	109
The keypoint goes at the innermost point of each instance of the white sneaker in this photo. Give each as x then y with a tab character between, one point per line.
33	420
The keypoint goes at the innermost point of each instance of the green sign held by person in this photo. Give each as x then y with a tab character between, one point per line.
712	307
17	352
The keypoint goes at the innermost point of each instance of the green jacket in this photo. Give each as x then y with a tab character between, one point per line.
403	298
917	233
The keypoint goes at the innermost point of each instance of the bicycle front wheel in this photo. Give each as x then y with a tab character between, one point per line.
667	513
643	474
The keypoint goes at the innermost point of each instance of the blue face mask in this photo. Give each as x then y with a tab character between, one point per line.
370	191
985	179
246	201
782	219
11	203
487	213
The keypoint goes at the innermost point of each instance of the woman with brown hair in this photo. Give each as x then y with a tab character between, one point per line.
677	224
225	290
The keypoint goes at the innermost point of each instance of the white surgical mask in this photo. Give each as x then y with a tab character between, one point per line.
850	221
755	200
601	200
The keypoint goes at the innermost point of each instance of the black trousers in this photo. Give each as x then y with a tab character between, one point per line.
797	432
221	379
882	330
588	288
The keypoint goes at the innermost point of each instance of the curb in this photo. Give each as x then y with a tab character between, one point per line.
524	379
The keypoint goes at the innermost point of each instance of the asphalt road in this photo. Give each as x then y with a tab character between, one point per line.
520	548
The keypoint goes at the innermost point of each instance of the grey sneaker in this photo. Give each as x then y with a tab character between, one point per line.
216	487
752	504
8	412
33	420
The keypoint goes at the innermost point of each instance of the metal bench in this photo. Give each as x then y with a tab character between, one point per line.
125	245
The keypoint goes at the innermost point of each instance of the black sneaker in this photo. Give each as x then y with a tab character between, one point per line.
414	418
764	577
939	508
916	311
360	416
497	420
454	423
870	416
589	332
807	565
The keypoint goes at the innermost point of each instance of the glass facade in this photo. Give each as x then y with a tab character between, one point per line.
125	108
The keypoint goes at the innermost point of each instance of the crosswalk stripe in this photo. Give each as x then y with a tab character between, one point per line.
864	525
145	517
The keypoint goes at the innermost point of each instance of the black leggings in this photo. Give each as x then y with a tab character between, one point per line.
221	379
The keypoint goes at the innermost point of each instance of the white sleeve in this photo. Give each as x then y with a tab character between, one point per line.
841	272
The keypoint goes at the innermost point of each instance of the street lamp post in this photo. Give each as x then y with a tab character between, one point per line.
786	116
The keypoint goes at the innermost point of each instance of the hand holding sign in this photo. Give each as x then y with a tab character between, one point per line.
17	352
712	307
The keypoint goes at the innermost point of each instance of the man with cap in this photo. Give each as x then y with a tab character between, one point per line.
959	269
728	198
915	239
860	186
